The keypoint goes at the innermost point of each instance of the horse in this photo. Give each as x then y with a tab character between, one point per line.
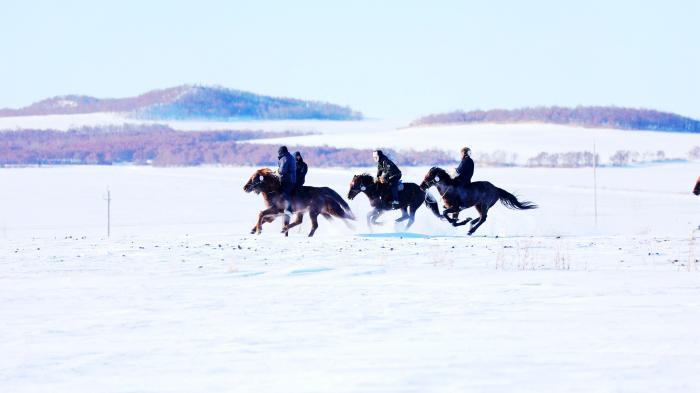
696	190
314	200
379	195
457	197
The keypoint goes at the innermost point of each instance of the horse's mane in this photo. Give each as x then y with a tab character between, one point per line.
269	174
443	174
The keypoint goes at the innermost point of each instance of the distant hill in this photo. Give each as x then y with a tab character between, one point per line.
585	116
191	102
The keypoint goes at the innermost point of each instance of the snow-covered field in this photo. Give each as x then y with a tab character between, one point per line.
516	142
66	122
181	298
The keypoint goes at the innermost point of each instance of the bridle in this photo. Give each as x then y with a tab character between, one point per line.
434	182
257	181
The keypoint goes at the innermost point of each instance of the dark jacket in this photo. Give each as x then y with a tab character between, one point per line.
465	170
287	168
302	168
386	168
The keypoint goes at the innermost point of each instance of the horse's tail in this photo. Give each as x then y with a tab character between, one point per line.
329	192
336	205
431	202
510	201
335	209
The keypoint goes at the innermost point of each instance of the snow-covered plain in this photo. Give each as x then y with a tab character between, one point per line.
516	142
66	122
181	298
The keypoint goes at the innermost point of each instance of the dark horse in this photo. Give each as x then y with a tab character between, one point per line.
481	194
696	190
379	195
315	200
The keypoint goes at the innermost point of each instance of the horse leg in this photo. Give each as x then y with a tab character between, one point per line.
264	216
285	227
483	212
370	215
314	222
418	201
378	213
404	214
268	219
411	217
447	212
463	222
299	218
455	217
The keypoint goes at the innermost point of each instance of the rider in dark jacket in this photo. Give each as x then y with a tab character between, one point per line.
302	168
389	173
465	170
287	170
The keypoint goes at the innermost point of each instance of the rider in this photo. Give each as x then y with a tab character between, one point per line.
302	168
388	172
465	170
287	170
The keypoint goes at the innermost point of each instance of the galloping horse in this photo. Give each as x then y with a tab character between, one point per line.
314	200
481	194
379	195
696	190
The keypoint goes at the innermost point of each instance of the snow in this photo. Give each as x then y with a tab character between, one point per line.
181	298
54	201
522	140
60	122
66	122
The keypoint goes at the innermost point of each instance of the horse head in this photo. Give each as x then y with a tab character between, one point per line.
360	183
434	176
262	180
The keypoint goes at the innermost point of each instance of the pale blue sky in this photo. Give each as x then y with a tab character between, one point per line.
391	59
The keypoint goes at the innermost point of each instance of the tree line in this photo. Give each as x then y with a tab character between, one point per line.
585	116
159	145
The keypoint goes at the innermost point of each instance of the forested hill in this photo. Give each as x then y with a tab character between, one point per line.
191	102
584	116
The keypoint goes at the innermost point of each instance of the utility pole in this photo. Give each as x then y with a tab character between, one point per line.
595	184
109	207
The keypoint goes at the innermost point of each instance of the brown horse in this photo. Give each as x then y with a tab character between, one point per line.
314	200
481	194
696	190
379	195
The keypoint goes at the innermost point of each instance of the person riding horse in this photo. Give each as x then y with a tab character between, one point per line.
302	169
465	170
481	194
287	169
389	174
